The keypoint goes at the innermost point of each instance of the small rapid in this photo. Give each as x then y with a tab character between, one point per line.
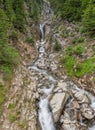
45	116
44	113
42	30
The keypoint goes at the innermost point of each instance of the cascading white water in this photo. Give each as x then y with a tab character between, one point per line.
45	116
42	31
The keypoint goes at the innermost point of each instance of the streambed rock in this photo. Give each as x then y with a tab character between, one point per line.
87	111
58	101
81	97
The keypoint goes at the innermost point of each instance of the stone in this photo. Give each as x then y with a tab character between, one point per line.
61	87
76	105
70	125
81	97
57	104
87	111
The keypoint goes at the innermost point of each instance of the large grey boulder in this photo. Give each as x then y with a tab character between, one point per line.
58	101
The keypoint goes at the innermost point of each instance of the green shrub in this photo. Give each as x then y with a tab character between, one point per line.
86	67
80	39
30	40
76	49
69	63
78	69
14	35
9	55
74	41
56	46
7	72
89	18
83	30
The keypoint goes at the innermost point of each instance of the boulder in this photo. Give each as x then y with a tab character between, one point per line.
87	111
81	97
57	104
70	126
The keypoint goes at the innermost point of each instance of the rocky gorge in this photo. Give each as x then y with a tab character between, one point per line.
41	97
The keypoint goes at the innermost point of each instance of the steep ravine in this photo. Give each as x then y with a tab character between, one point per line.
41	97
62	105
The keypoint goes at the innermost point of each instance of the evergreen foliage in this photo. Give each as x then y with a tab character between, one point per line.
77	10
13	20
89	18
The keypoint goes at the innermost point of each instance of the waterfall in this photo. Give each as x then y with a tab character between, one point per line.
42	32
45	116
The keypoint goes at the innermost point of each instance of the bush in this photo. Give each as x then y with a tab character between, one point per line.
30	40
79	50
86	67
80	39
78	69
56	46
9	55
89	18
72	50
7	72
68	9
83	30
14	35
69	63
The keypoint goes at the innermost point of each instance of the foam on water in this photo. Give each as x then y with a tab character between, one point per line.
45	116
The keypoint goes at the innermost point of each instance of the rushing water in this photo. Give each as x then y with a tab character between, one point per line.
45	116
42	26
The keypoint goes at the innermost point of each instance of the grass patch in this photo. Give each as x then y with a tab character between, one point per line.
69	62
11	106
85	67
3	92
12	117
78	40
78	69
75	50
